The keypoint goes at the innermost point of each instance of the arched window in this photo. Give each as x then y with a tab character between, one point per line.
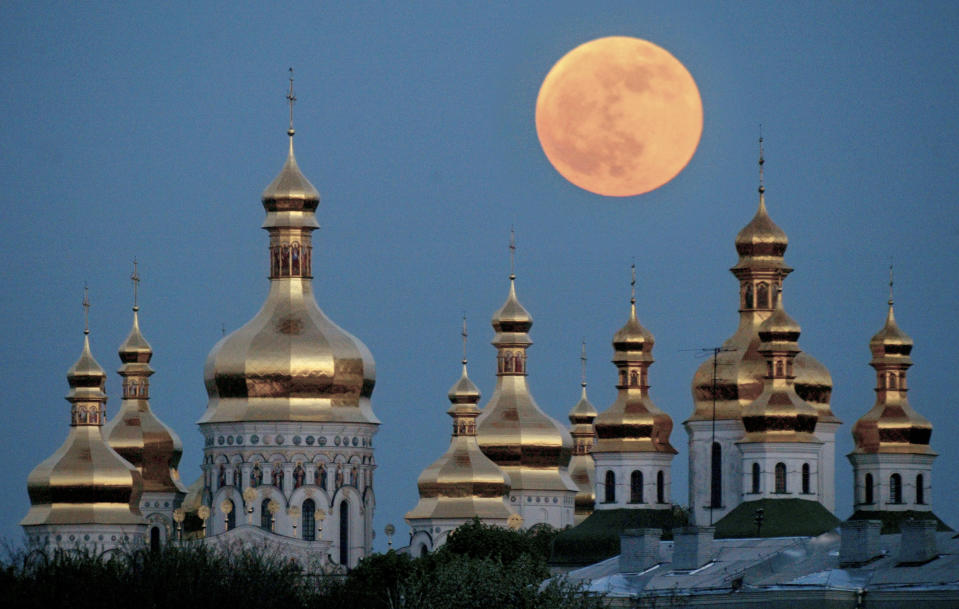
892	380
634	379
762	296
519	363
748	297
805	478
755	477
609	491
622	378
231	517
154	539
716	478
345	533
309	520
779	369
920	490
636	487
266	517
780	477
868	489
895	488
660	487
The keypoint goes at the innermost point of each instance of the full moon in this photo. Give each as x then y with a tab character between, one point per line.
619	116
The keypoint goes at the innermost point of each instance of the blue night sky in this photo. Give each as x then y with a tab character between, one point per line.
151	131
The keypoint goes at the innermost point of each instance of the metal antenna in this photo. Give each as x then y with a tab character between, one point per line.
86	309
135	277
290	97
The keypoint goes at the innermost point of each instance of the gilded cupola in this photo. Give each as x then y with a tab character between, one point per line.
722	388
463	483
84	481
582	468
532	447
135	432
779	414
892	425
633	423
290	362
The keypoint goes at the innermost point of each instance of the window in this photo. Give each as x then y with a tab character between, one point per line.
716	479
868	489
805	478
748	300
660	487
762	296
266	518
155	539
634	379
610	488
895	488
309	520
231	516
345	533
755	477
920	490
780	477
636	487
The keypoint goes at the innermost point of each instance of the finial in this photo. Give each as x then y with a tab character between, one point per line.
86	309
291	98
890	284
632	285
762	161
512	253
135	277
582	359
464	335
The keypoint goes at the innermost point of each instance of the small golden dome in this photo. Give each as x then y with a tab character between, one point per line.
583	412
779	327
892	425
582	468
84	481
761	237
633	337
463	483
290	184
512	317
135	432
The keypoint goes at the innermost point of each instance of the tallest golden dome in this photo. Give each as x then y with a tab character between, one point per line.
290	362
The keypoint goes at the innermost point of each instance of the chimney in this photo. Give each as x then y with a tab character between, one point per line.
638	549
918	542
692	547
858	542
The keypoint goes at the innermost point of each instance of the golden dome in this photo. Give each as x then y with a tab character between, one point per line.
582	468
463	483
633	423
892	425
135	432
290	362
733	378
532	447
84	481
779	414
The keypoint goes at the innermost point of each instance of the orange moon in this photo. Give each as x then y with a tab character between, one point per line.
619	116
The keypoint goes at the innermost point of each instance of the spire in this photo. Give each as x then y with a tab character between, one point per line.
762	161
290	184
633	337
87	380
582	413
582	470
512	321
464	391
135	348
582	359
512	254
761	243
291	98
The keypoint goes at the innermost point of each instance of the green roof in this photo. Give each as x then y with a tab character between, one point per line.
892	520
781	518
597	537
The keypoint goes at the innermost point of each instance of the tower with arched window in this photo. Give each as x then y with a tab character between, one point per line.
729	381
289	424
140	437
85	495
892	460
633	455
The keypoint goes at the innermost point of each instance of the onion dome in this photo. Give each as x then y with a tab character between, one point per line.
84	481
892	425
779	414
463	483
135	432
728	382
633	423
532	447
290	362
582	468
